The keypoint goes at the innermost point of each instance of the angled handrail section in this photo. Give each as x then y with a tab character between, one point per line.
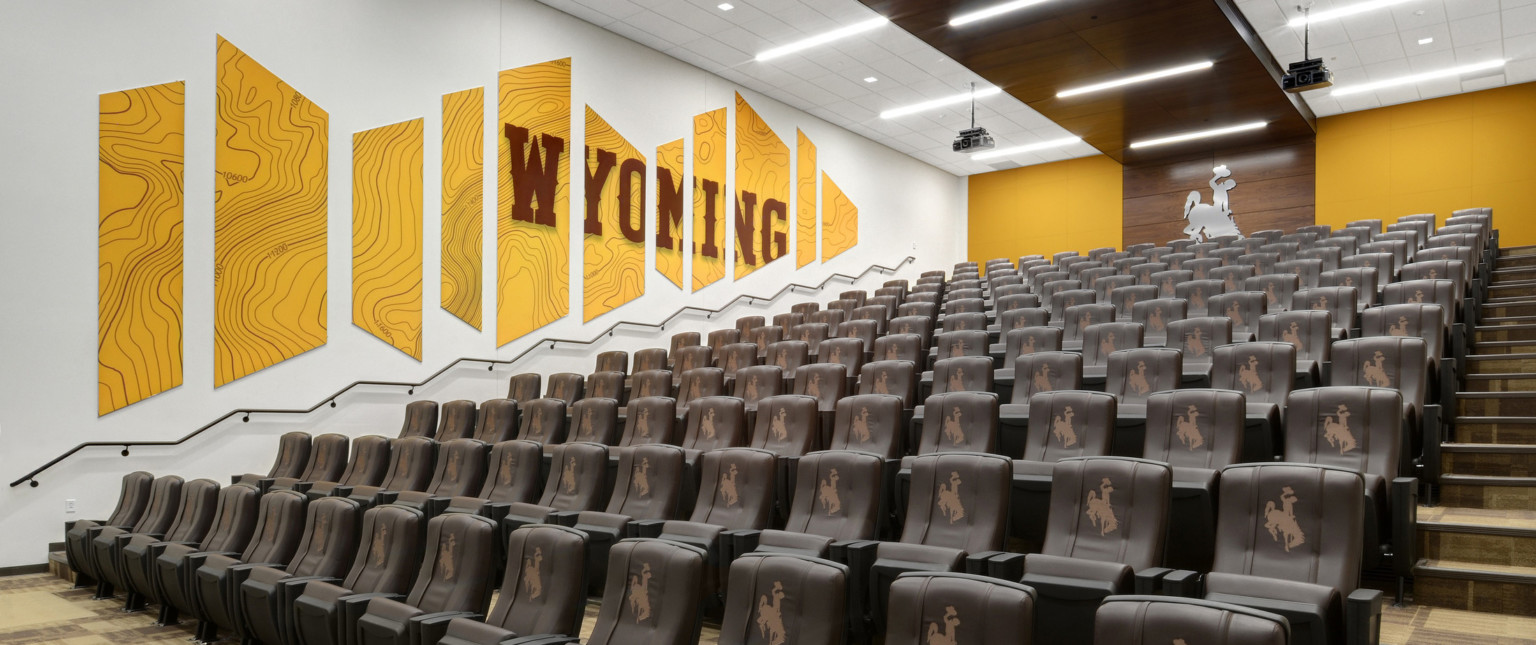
490	363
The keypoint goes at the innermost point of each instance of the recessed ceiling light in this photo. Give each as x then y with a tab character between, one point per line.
870	79
992	11
1426	41
725	6
1415	78
1349	10
1182	69
938	103
823	38
1200	135
1008	152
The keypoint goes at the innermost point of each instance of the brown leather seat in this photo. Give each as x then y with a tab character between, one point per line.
497	420
1343	303
1197	432
687	358
864	329
1365	279
650	383
1022	342
512	476
1134	374
647	488
1034	372
959	301
1373	254
811	334
1402	364
1125	299
327	461
460	471
458	420
774	597
541	593
1062	424
1157	620
252	591
132	500
367	466
967	321
566	386
922	325
1306	270
848	352
1094	546
719	339
594	419
1197	338
578	481
788	355
894	377
921	305
411	466
1462	254
605	385
161	568
420	419
831	318
388	555
1244	309
901	347
544	421
962	422
292	455
198	507
453	578
1267	512
736	357
1265	374
1263	263
524	387
826	383
1104	287
1076	320
1277	290
1453	270
1425	321
737	492
279	531
1099	342
650	358
1154	315
869	422
1443	292
856	295
960	374
615	361
1067	294
1168	281
1197	291
1310	332
929	606
1330	256
756	383
651	595
1202	267
805	308
1092	278
714	422
680	340
100	547
838	496
1022	318
1177	257
789	426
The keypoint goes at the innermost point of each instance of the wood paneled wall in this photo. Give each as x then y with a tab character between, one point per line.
1276	186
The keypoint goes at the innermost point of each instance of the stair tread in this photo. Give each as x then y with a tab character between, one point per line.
1455	516
1506	420
1486	480
1495	377
1478	570
1499	357
1487	447
1496	395
1494	328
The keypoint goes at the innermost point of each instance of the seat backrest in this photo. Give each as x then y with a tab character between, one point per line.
1365	279
736	488
650	383
1340	301
195	512
1195	428
962	374
647	482
595	419
453	575
882	308
649	419
164	502
1419	321
578	477
1106	286
895	377
1398	249
758	382
692	356
513	475
1394	362
1197	292
789	355
410	464
1310	332
1296	522
461	466
541	588
959	422
1076	319
650	358
652	594
498	419
1362	428
917	306
1134	374
1385	264
1029	340
279	528
329	540
389	550
1243	307
1261	371
292	454
1158	620
566	386
1147	272
960	302
544	421
458	420
684	339
958	500
1124	299
932	607
868	423
1424	292
1197	338
1103	339
524	387
1069	296
1046	372
837	495
864	329
848	352
1202	267
1069	423
787	425
605	385
1109	509
826	382
889	301
1155	314
901	347
921	326
1022	318
715	422
1262	263
618	360
831	318
738	356
1017	301
1462	254
720	338
234	519
961	343
1168	281
787	321
967	321
1306	270
772	596
1319	231
1453	270
805	308
327	458
420	419
1277	289
1330	256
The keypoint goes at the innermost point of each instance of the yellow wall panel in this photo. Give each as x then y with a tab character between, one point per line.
839	220
614	222
1433	156
533	244
463	226
708	241
1062	206
386	234
269	214
138	353
671	197
805	200
762	192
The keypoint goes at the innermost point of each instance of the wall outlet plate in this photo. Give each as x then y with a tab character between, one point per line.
69	506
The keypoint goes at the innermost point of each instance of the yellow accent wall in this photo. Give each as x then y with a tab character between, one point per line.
1432	156
1061	206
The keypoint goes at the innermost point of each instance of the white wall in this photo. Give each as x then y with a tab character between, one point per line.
367	63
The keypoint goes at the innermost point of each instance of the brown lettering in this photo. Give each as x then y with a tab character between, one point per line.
745	209
534	179
669	210
631	204
594	187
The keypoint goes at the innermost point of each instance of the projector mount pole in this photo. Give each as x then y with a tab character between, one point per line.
973	106
1306	31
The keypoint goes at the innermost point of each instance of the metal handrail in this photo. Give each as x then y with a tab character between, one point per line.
489	362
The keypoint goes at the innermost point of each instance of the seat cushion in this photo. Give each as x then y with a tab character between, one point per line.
791	542
326	592
1233	588
920	556
473	631
1114	574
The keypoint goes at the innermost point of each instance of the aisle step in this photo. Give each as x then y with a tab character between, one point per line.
1499	430
1499	382
1490	492
1492	347
1496	404
1501	363
1476	535
1488	459
1474	586
1509	309
1509	261
1508	289
1504	333
58	565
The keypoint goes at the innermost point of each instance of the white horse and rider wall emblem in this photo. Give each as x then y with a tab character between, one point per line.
1213	219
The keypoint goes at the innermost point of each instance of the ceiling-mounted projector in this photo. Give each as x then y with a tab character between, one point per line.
1310	74
973	140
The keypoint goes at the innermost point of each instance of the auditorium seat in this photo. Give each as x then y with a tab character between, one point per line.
714	422
453	578
824	382
921	325
1076	320
1154	315
615	361
902	347
1062	424
420	419
410	467
778	598
717	340
1104	285
805	308
788	321
544	421
647	487
763	336
1402	364
1197	291
1330	256
736	492
1197	432
367	466
1425	321
830	318
605	385
848	352
543	591
687	358
931	607
513	469
736	357
155	569
647	383
1306	270
652	595
756	383
129	572
460	471
577	481
865	330
1244	309
201	576
97	553
1099	342
1069	296
1342	303
1158	620
1385	264
838	496
458	419
1311	333
1019	318
1265	373
895	377
698	383
1125	299
789	356
1363	279
650	358
869	422
132	500
1134	374
1277	290
292	456
888	301
497	419
1094	547
388	554
251	590
958	374
1168	281
1262	263
1202	268
1035	372
565	386
524	387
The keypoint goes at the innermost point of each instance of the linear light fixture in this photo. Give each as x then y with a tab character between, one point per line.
938	103
1414	78
1187	136
990	12
1008	152
1172	71
822	38
1349	10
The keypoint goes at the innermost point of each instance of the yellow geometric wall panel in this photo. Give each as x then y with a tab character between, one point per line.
138	353
386	234
805	200
762	192
463	202
670	198
614	223
269	214
533	245
709	154
839	220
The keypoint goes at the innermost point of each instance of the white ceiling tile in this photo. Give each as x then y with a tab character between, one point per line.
1476	29
1440	87
704	21
1337	56
1379	48
1432	61
1520	71
1479	53
1417	15
616	9
1520	47
1400	94
1456	9
662	26
1483	82
1368	25
1519	21
582	11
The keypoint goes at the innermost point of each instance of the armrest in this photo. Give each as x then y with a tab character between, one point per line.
739	541
289	589
565	518
978	563
386	497
497	511
302	487
435	506
430	628
342	491
1184	583
349	609
1405	525
1362	617
545	639
1006	566
1148	581
646	528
